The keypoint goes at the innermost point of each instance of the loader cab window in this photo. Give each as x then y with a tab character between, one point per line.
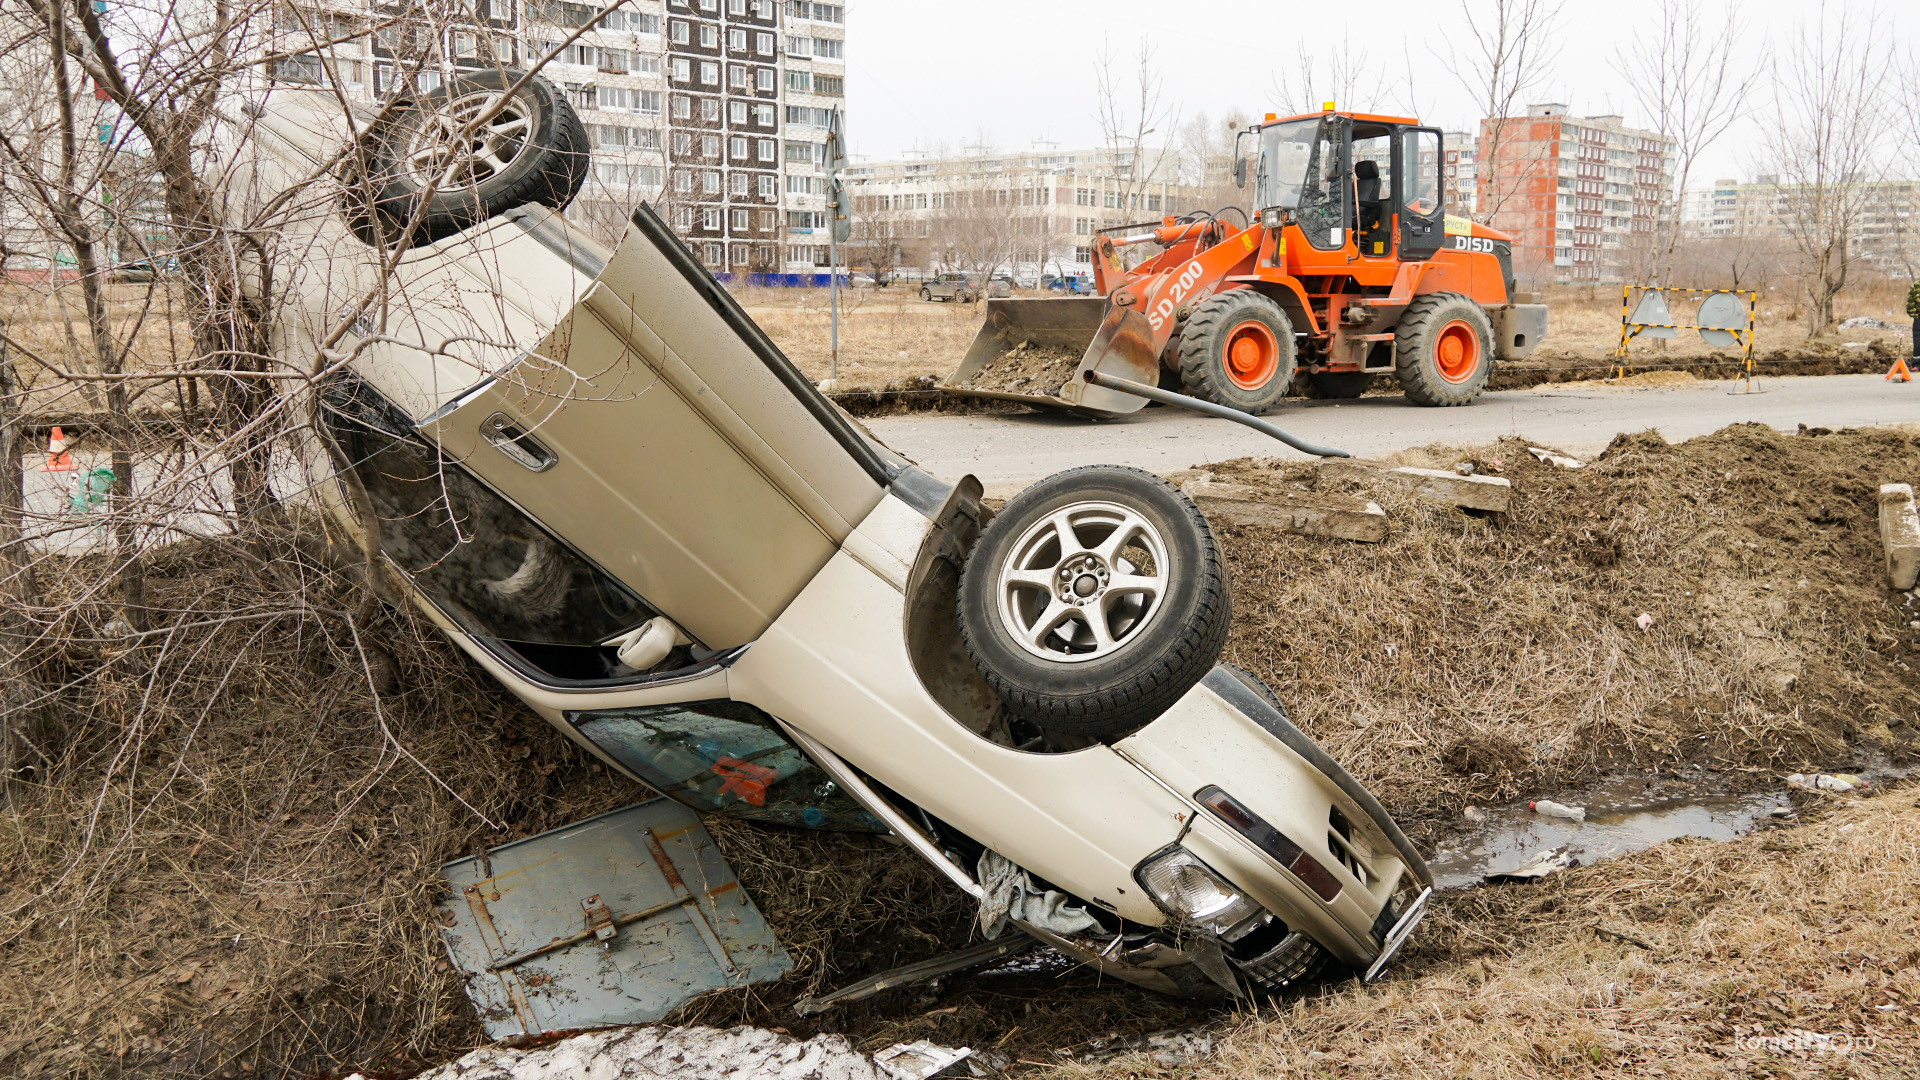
1300	171
1373	191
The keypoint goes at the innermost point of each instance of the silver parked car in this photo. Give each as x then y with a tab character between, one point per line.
950	287
603	481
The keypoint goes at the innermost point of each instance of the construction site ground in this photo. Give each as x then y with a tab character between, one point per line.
895	348
256	896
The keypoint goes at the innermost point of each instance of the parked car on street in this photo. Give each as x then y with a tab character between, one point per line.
599	477
950	287
1000	287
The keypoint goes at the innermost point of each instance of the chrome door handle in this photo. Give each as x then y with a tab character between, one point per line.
512	440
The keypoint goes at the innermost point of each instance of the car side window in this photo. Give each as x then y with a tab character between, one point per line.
724	757
489	567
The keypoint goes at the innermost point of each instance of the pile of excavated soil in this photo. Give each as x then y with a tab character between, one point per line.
231	865
1477	658
1027	369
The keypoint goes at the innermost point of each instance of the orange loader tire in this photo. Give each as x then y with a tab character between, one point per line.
1443	350
1238	350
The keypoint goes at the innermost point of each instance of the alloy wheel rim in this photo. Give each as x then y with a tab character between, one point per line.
448	151
1083	583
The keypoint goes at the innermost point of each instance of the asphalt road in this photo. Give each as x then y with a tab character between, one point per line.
1008	452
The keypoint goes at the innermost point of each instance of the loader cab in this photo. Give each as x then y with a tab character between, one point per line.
1365	185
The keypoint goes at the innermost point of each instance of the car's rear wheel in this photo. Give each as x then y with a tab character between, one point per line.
483	144
1094	600
1237	350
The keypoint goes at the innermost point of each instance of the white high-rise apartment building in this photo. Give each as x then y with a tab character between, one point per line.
715	111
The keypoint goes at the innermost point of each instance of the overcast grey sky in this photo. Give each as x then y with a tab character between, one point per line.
927	75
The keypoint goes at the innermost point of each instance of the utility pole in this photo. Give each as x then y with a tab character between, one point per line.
839	228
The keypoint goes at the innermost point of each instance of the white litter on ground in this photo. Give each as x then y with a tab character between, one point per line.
666	1053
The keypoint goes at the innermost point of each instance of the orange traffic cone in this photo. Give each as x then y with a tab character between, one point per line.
1899	373
58	459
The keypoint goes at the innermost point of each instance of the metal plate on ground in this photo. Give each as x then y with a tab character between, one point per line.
614	920
1720	316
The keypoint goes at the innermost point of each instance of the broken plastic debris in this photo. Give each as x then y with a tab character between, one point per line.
1537	867
1549	808
1474	814
1464	468
918	1060
1552	458
1645	621
1827	782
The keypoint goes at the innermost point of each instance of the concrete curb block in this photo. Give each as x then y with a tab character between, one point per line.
1491	493
1900	533
1334	516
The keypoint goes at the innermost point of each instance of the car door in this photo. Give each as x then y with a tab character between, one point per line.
658	432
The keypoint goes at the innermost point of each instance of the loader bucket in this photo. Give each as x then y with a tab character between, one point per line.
1034	351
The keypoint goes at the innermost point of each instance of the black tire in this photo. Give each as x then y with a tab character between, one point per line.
1430	370
541	144
1156	649
1340	384
926	295
1219	326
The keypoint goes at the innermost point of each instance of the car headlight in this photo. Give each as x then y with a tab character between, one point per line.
1188	889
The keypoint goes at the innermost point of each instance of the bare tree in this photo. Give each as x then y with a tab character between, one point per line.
1686	77
975	229
1824	144
1129	111
1509	54
1205	148
1342	74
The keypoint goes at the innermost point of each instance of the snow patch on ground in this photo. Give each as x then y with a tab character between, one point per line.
661	1053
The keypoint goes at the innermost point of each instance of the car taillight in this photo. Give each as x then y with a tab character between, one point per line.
1270	840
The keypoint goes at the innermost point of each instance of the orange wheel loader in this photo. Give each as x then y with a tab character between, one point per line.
1348	268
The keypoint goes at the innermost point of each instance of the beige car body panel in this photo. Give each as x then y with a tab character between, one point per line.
683	467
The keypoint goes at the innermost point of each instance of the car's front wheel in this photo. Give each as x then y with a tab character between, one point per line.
1094	600
483	144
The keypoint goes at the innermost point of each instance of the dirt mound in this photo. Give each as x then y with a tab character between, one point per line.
1475	658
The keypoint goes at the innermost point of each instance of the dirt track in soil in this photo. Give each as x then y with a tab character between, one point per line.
274	860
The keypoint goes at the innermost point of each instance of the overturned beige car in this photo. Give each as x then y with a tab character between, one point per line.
603	481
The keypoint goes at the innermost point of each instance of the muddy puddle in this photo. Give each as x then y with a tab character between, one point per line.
1623	815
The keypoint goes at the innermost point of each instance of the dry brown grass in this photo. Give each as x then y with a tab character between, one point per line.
235	869
885	334
1652	965
52	324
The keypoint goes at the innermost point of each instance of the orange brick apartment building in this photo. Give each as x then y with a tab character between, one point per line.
1581	195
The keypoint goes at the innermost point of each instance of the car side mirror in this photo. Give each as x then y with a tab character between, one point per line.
1239	172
